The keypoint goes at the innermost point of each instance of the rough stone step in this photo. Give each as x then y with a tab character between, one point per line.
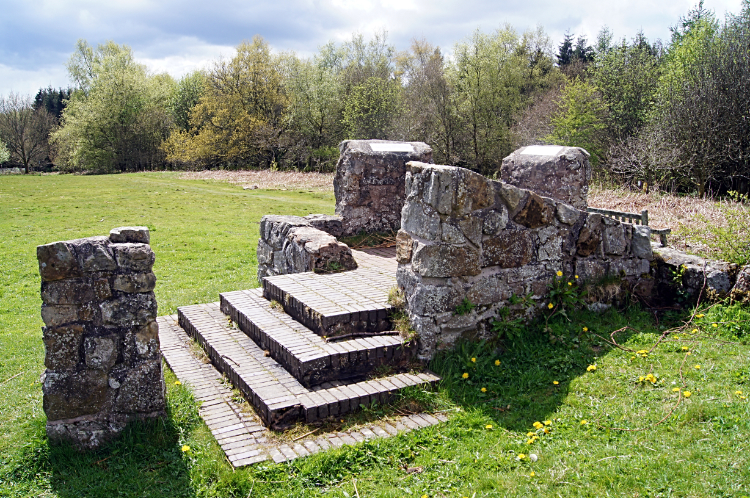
335	304
304	354
280	399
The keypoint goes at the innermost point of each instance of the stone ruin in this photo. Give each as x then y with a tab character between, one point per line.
369	183
101	339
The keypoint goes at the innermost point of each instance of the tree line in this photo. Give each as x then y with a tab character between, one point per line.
674	114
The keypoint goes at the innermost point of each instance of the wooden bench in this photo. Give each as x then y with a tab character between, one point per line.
635	219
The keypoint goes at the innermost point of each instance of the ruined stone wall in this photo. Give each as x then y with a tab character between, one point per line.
562	173
293	244
100	336
369	183
466	236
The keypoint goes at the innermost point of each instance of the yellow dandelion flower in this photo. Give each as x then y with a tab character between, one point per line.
547	422
473	360
521	456
697	367
640	378
584	422
425	496
530	441
687	394
694	331
550	305
546	430
714	324
738	393
699	315
488	426
559	273
570	283
177	383
497	363
185	448
484	389
465	375
650	378
576	276
532	474
529	434
554	383
685	348
591	368
585	329
537	425
675	389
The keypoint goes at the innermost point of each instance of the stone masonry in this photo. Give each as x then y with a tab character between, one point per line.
562	173
369	183
100	336
293	244
466	236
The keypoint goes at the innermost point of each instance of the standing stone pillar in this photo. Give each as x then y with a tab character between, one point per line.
369	183
100	336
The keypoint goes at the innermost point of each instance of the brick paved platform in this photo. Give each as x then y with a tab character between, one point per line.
307	356
240	434
278	397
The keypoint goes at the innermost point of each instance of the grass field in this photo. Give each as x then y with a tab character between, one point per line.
626	428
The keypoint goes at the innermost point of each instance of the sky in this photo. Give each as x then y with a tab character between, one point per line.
37	38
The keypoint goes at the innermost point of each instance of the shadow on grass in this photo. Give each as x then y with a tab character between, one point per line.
535	371
145	460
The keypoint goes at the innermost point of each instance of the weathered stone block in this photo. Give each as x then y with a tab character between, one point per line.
416	221
71	291
561	173
332	225
73	394
101	352
640	245
134	257
567	214
147	341
494	220
142	390
94	254
535	213
510	249
135	282
590	236
614	239
61	346
445	260
140	235
57	261
129	310
370	183
55	316
404	245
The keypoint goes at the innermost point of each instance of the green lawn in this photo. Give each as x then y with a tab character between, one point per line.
639	438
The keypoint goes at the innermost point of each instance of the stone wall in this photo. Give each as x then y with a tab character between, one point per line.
562	173
369	183
292	244
466	236
100	336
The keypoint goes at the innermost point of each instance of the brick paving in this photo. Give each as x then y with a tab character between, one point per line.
241	435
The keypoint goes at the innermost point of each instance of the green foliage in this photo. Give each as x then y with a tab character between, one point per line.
117	118
4	153
185	95
465	307
370	108
729	241
580	119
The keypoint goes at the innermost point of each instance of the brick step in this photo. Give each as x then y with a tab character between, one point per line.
304	354
278	397
335	304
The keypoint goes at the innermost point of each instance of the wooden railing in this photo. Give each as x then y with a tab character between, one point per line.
635	219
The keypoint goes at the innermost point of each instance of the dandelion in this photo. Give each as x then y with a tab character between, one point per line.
591	368
465	375
550	305
425	496
185	448
533	457
685	348
520	456
546	430
488	426
694	331
697	367
585	329
650	378
529	434
570	283
687	394
177	383
576	276
532	474
530	441
738	393
642	352
714	325
675	389
484	389
555	383
547	422
497	363
584	422
473	360
537	425
640	378
559	273
699	315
